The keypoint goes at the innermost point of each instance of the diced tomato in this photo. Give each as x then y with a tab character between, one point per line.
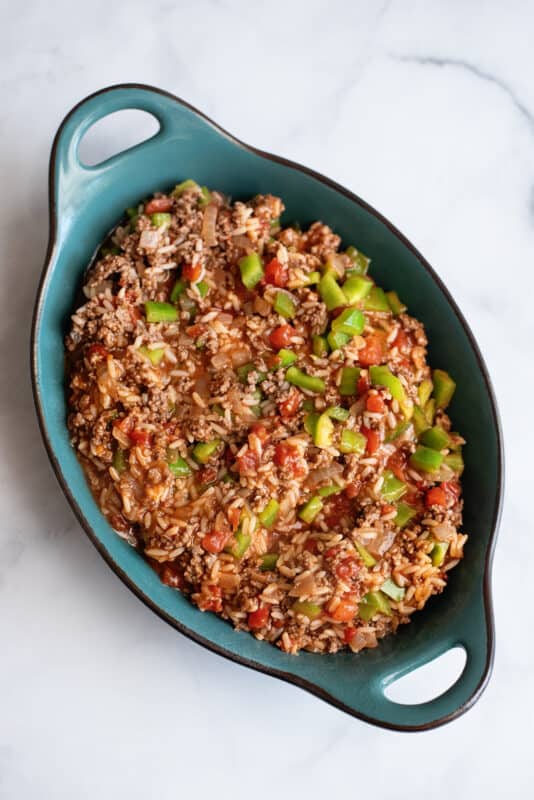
373	440
387	508
97	350
215	541
278	623
337	507
289	407
248	462
191	272
375	403
412	498
234	515
352	490
158	204
259	618
140	437
171	576
287	456
344	611
276	273
348	634
347	569
373	350
213	599
397	464
196	330
281	336
331	552
260	431
436	497
311	545
363	383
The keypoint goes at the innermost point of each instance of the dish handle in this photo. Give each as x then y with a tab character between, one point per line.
457	698
70	172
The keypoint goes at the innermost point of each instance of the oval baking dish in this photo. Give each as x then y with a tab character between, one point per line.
84	204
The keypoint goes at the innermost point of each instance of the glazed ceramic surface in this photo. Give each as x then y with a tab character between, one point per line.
84	204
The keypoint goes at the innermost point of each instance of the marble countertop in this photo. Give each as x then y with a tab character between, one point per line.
427	111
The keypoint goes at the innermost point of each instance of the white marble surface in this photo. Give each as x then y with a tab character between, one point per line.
426	109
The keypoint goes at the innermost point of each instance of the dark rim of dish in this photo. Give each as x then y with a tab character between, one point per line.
190	633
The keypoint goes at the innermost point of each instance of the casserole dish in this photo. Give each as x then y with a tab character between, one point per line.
85	202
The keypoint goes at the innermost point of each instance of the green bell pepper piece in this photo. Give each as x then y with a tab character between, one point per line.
202	288
205	196
352	442
365	555
424	391
240	545
435	437
154	355
390	588
392	488
320	346
356	288
444	387
285	358
438	553
120	462
331	292
160	312
337	339
351	321
182	187
269	514
161	219
359	260
395	304
297	377
268	562
404	514
398	431
309	510
178	289
430	411
251	268
456	462
419	420
374	603
203	451
349	381
178	465
382	376
376	300
324	429
426	459
310	610
328	491
284	304
339	413
244	371
310	423
312	278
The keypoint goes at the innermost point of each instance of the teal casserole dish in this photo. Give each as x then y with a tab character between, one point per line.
85	202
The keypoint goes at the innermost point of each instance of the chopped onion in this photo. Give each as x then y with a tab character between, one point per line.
444	532
240	356
225	319
363	638
242	241
221	361
149	240
322	474
208	225
303	586
261	306
377	542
